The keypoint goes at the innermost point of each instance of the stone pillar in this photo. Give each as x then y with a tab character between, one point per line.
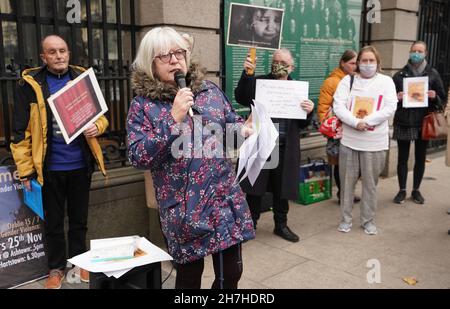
200	18
393	38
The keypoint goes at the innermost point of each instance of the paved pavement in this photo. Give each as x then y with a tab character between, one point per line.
412	242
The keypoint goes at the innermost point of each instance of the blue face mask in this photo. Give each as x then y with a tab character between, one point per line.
416	58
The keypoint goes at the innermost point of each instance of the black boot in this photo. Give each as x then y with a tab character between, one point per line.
285	232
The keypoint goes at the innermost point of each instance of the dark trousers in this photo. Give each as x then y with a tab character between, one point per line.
61	187
419	165
280	206
227	270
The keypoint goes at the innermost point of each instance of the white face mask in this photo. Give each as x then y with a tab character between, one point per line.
368	70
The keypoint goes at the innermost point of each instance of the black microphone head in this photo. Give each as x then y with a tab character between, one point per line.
180	79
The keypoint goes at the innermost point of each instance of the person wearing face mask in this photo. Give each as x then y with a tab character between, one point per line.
281	181
408	121
347	66
365	140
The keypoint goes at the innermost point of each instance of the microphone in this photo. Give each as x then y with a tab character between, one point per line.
180	79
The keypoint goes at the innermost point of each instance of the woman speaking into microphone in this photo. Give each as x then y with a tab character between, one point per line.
202	210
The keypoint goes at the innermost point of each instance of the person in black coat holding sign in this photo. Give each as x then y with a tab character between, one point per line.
408	121
283	180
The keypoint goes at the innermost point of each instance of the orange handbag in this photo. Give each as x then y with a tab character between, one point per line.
434	126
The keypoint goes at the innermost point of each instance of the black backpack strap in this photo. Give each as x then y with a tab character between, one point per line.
352	79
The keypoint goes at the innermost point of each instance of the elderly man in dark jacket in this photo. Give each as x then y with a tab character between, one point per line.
283	180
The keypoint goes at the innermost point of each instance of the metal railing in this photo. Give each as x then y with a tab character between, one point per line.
104	39
434	29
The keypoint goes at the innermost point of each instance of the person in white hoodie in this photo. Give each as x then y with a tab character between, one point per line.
365	139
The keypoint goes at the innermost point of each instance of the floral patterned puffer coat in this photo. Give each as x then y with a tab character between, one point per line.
201	207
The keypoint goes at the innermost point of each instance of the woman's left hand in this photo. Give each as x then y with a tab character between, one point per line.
432	94
307	105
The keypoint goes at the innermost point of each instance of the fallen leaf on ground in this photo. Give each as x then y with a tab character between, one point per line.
411	280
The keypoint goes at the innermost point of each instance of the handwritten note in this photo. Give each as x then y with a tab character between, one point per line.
282	98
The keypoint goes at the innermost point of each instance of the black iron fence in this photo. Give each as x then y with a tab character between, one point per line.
101	35
434	29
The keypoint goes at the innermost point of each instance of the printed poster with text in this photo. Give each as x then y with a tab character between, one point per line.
22	257
316	31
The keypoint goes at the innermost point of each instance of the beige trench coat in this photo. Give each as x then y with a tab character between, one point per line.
447	115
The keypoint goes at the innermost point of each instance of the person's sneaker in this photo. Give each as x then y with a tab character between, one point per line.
417	197
400	197
286	233
370	229
55	279
84	275
345	227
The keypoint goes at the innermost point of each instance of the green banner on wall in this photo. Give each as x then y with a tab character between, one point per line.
317	32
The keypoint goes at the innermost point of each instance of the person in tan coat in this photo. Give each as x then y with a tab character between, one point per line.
447	116
447	157
347	65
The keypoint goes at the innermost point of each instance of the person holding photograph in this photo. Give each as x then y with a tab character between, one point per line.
364	142
408	121
63	170
283	180
202	210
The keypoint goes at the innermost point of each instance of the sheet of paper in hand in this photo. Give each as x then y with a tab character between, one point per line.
78	105
282	98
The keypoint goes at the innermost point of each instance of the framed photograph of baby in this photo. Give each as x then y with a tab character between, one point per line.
78	105
255	26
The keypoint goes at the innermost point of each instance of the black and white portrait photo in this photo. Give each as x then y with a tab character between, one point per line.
255	26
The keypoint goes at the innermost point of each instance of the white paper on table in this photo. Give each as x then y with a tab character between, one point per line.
282	98
415	92
117	274
114	268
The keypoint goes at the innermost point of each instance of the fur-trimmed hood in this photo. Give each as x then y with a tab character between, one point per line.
154	89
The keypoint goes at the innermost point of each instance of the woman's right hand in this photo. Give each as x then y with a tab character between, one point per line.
400	96
181	104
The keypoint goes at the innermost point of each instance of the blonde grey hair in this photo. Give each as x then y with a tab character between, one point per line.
158	41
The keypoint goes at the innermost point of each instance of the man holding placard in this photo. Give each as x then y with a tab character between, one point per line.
420	90
283	180
40	152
